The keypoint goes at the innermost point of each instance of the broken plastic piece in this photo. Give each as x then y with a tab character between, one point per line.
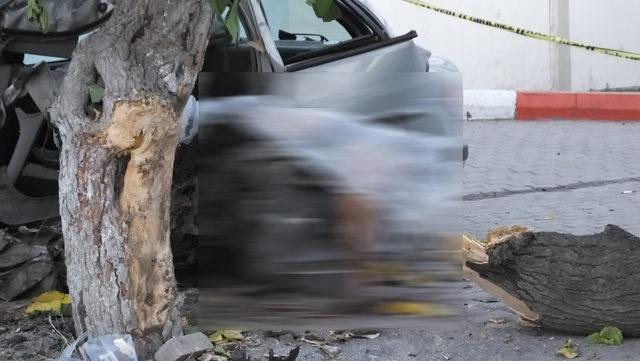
67	353
114	347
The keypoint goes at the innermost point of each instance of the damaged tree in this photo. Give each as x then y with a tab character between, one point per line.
116	165
575	284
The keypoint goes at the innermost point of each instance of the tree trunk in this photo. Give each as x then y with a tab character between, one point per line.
575	284
116	166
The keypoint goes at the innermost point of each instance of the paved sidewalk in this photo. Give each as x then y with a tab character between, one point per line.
573	177
555	176
581	211
521	155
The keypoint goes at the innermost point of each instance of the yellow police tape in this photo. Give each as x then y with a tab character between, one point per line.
528	33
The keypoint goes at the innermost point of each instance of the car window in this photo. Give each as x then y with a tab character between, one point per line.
296	17
31	59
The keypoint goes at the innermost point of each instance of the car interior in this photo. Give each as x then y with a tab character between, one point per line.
32	66
225	56
27	147
297	32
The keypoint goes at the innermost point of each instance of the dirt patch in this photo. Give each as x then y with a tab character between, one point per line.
24	338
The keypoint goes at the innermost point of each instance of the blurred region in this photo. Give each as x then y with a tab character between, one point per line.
329	200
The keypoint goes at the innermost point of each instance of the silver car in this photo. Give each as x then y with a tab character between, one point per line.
324	145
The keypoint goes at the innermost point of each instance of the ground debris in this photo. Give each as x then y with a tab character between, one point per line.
292	356
344	336
497	321
112	347
182	347
30	261
240	355
275	334
221	336
611	336
31	338
569	350
208	356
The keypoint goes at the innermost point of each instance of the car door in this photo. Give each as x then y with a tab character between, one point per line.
353	42
358	43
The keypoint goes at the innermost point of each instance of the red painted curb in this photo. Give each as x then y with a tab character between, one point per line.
578	106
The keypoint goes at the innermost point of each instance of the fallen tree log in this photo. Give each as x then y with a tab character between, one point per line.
573	284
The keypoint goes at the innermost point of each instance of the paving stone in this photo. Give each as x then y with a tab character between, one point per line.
598	160
515	155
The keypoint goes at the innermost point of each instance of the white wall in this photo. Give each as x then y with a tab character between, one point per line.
496	59
613	24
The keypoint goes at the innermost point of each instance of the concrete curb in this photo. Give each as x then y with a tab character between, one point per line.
482	104
531	106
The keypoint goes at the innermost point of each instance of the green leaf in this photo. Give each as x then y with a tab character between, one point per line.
96	93
232	335
220	351
218	6
594	338
216	337
233	22
226	335
327	10
611	336
36	12
568	350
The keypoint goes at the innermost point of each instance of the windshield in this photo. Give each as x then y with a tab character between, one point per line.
296	20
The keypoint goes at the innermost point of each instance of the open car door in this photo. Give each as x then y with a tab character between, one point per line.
352	42
28	153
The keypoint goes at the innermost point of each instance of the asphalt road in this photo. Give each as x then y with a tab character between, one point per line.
554	176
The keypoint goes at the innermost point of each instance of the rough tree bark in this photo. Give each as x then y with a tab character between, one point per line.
575	284
115	167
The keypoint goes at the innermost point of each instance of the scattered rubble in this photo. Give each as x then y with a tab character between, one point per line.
569	350
212	357
292	356
24	337
184	347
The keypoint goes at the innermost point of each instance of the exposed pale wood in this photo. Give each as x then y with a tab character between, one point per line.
473	251
518	306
